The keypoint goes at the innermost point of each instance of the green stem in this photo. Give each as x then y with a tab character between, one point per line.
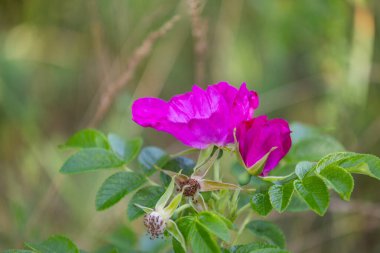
215	196
248	190
217	170
184	152
126	168
280	179
181	208
241	210
152	182
242	227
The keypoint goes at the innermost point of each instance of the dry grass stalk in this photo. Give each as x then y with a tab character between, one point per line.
98	37
111	90
199	31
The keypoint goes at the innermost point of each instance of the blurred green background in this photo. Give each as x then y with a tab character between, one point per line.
316	62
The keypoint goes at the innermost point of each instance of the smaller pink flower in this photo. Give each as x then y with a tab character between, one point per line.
258	136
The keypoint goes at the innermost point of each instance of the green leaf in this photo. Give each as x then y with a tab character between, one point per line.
314	192
268	231
280	196
303	168
127	150
91	159
150	157
363	164
260	203
173	229
339	179
177	247
197	236
87	138
334	159
226	221
251	247
201	241
56	244
215	225
297	204
354	163
116	187
185	224
147	196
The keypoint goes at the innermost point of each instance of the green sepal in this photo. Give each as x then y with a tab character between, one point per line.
258	167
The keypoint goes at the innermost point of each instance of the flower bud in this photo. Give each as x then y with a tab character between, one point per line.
263	141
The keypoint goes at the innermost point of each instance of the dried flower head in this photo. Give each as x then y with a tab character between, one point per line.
190	187
157	220
155	224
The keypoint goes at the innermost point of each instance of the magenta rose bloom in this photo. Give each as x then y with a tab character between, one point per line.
258	136
201	117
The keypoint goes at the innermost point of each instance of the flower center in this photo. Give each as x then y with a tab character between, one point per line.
190	187
155	224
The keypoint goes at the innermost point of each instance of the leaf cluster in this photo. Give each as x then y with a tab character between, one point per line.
316	164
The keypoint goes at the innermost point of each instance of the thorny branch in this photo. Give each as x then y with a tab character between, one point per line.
199	31
112	89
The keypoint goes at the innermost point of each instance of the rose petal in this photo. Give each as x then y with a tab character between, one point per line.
150	112
201	117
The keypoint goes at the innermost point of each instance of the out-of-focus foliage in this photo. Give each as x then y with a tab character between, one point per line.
311	61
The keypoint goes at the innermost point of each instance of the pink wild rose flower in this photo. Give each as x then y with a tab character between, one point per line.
199	118
258	136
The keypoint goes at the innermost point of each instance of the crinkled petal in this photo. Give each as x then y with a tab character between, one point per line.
198	104
200	133
245	103
150	112
201	117
227	91
198	118
258	136
241	103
